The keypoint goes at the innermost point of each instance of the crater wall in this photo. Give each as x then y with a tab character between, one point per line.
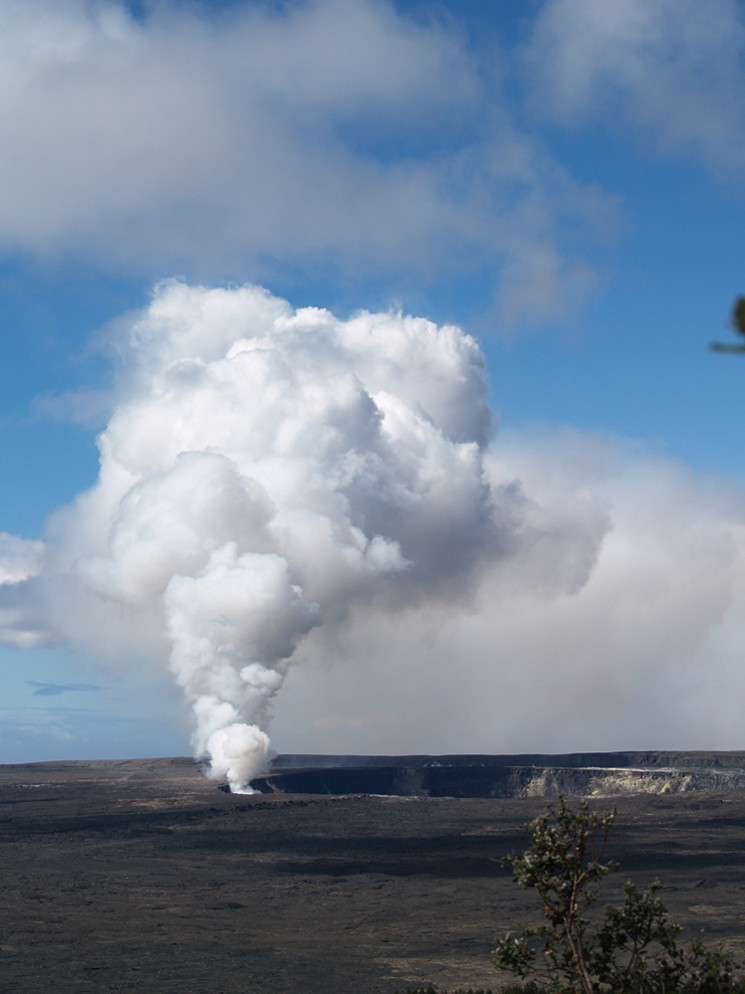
575	774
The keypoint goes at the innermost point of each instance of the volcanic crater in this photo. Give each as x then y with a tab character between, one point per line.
346	874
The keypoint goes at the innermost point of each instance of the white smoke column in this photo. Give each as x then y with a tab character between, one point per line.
281	487
263	470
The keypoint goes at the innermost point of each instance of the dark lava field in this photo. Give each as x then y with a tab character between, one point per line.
144	876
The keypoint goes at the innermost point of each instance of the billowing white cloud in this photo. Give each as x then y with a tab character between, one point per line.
337	136
573	643
672	69
262	471
292	502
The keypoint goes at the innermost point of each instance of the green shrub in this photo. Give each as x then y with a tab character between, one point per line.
631	949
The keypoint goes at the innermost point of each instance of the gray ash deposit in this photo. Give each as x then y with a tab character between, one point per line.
575	774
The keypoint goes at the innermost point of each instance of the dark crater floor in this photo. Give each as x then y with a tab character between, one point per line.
144	876
596	773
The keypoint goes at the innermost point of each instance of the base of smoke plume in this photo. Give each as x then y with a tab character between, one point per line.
580	774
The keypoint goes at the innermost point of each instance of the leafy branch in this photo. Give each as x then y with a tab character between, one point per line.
738	323
631	949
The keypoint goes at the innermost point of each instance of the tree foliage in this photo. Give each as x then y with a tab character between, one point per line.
738	323
632	948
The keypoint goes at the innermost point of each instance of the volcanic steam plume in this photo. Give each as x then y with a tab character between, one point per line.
262	470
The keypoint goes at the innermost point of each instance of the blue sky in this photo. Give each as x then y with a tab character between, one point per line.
562	180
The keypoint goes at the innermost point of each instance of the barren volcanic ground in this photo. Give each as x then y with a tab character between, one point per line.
144	876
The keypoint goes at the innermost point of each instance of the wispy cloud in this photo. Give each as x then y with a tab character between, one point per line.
36	734
89	408
55	723
340	137
56	689
672	70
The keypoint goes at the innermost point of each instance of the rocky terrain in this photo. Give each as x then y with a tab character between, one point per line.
144	876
